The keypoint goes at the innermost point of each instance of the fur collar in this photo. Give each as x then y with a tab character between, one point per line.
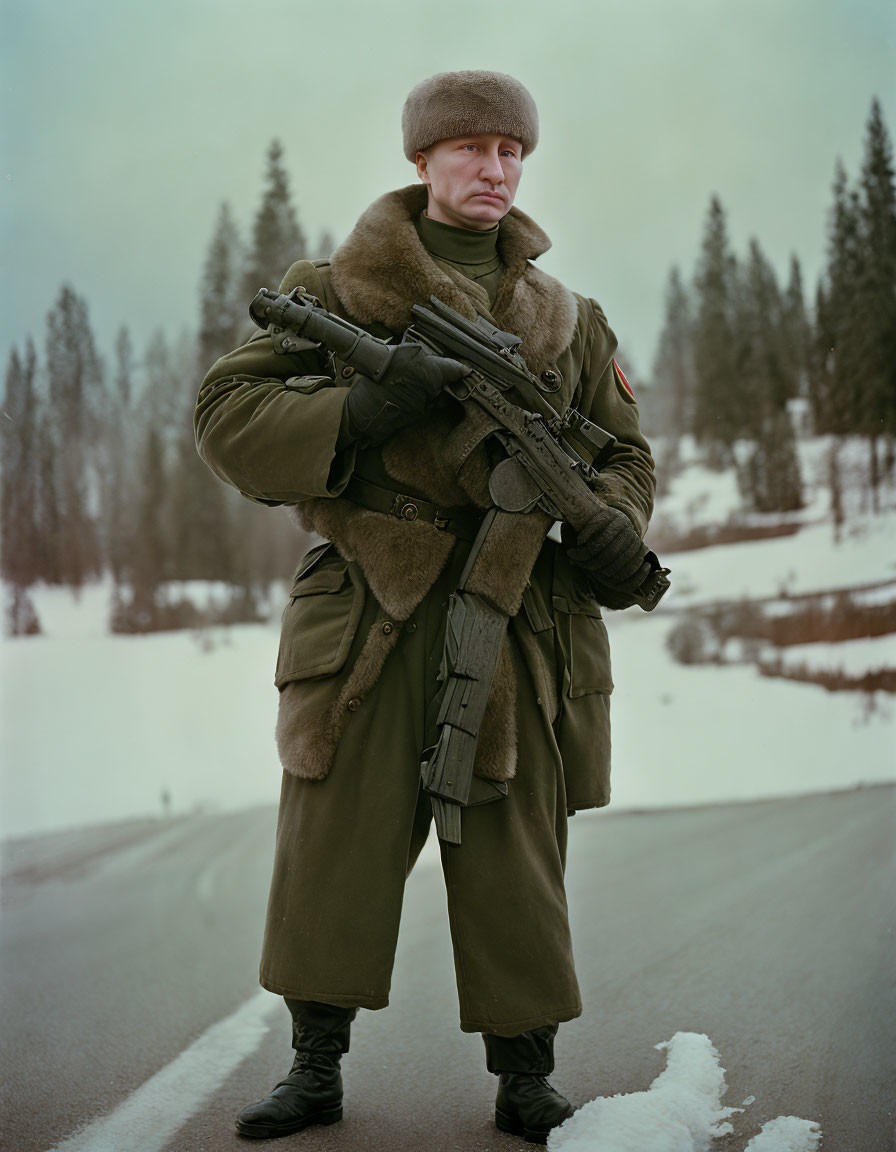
382	269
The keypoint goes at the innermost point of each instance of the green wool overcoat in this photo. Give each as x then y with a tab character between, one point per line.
267	424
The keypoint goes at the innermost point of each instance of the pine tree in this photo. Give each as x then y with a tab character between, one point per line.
19	532
164	399
875	302
277	239
764	381
822	363
797	332
844	271
222	308
122	441
148	542
770	478
203	537
716	416
73	431
673	368
124	367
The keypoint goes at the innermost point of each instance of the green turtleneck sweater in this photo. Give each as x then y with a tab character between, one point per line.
472	253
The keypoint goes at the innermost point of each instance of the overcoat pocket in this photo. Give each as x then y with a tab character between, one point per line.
320	621
581	633
586	651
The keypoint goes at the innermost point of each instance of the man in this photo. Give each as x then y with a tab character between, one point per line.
394	475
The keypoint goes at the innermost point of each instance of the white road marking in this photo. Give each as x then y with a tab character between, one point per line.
147	1119
205	885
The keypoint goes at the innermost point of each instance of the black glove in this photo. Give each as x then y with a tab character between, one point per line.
414	378
612	551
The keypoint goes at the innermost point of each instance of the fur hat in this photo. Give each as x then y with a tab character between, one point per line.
465	104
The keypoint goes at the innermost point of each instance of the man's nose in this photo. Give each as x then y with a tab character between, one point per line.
491	169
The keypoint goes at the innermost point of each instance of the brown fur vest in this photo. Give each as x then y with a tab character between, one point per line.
380	271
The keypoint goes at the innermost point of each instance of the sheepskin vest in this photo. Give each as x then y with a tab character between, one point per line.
380	271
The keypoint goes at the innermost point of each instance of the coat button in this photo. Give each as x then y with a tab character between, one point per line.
550	381
412	627
354	704
347	372
388	627
409	511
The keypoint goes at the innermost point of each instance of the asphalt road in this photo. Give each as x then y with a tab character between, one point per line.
767	925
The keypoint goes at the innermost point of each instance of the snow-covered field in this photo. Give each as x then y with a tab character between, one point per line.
810	561
95	727
854	657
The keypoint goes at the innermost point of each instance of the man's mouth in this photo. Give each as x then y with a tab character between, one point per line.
496	196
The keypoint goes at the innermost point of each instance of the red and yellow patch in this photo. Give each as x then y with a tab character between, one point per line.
623	380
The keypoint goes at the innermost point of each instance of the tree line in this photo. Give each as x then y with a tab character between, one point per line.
100	473
737	349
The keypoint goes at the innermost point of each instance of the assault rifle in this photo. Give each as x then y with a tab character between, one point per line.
552	459
551	462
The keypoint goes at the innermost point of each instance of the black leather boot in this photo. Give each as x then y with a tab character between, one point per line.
526	1105
312	1091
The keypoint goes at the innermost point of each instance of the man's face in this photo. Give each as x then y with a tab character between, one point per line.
472	180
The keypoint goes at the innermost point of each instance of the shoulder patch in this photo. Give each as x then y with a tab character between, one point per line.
620	379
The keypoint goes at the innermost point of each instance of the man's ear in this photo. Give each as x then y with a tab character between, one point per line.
422	167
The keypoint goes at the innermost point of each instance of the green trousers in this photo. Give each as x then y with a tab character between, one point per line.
346	844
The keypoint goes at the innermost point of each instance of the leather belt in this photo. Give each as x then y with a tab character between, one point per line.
464	525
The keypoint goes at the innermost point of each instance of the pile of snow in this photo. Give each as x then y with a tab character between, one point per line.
681	1111
786	1134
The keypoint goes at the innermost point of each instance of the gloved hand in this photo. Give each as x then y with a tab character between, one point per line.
612	551
414	378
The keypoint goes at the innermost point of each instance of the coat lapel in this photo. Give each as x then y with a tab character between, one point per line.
382	270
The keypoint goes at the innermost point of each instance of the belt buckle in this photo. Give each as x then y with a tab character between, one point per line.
405	508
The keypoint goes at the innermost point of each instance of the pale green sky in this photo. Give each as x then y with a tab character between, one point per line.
124	126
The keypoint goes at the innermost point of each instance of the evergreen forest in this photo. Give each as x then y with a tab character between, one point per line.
101	478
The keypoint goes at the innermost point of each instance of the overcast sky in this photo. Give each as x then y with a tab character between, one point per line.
124	127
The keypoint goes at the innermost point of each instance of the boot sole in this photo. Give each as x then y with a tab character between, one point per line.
270	1131
507	1123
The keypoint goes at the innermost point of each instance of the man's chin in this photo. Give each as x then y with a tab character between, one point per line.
483	213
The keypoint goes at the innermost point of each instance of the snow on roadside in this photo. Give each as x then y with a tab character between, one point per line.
94	727
702	734
681	1111
808	562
